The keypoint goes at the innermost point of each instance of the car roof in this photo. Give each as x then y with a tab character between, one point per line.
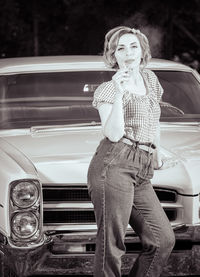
73	63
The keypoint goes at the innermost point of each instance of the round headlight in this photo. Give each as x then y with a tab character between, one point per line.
24	225
24	194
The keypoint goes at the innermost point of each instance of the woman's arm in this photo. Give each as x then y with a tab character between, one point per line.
158	163
112	118
162	162
112	115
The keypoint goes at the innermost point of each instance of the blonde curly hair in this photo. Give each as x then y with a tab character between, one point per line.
111	41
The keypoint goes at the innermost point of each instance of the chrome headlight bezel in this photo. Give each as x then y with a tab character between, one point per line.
34	208
20	219
27	190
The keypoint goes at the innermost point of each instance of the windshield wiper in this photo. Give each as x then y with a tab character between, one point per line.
170	108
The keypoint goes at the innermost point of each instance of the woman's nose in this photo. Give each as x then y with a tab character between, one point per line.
129	51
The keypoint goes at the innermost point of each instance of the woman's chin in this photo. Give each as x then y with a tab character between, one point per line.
133	66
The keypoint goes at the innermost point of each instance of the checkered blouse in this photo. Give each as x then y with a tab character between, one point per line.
141	112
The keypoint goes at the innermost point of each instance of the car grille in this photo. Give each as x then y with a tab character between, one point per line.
67	205
69	193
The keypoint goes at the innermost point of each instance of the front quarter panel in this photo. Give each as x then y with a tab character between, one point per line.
14	166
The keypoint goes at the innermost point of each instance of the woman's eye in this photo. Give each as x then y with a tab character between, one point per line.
119	49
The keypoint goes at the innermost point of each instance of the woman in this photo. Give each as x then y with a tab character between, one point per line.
120	171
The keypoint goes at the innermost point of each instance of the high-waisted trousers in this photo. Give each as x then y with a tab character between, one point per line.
121	192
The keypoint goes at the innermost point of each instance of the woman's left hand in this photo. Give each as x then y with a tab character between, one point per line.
166	163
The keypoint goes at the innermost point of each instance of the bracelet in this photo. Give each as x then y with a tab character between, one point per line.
160	166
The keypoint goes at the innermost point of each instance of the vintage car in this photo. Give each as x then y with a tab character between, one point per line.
48	134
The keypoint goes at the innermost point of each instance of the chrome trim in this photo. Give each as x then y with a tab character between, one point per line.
175	205
74	206
93	227
89	206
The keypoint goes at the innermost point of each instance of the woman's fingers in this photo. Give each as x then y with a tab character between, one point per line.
169	163
121	77
166	163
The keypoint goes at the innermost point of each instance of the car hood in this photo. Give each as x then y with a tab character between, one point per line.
62	155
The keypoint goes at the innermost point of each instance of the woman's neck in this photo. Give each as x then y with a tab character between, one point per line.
135	75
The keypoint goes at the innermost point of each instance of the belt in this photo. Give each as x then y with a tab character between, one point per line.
146	146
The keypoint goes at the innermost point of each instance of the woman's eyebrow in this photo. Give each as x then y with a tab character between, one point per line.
130	43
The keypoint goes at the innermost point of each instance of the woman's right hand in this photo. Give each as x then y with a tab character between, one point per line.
120	78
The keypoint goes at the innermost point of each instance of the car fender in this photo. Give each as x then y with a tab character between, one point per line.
14	166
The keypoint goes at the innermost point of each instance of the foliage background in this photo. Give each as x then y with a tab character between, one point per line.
76	27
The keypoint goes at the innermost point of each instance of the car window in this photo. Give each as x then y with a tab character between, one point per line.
181	98
58	98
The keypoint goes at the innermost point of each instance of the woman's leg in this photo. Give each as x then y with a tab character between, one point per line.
112	211
150	222
112	193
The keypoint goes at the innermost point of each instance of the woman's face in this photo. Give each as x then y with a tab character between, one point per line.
128	52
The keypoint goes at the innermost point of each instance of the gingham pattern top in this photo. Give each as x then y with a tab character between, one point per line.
141	112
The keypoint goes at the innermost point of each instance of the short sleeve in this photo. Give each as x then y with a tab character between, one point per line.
104	94
155	84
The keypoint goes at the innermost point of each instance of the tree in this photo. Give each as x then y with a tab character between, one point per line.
58	27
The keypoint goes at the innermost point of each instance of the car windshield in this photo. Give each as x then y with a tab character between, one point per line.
181	98
60	98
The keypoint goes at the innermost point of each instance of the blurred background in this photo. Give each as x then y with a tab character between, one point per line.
78	27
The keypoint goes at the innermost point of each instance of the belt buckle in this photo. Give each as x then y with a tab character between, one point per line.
141	146
127	141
